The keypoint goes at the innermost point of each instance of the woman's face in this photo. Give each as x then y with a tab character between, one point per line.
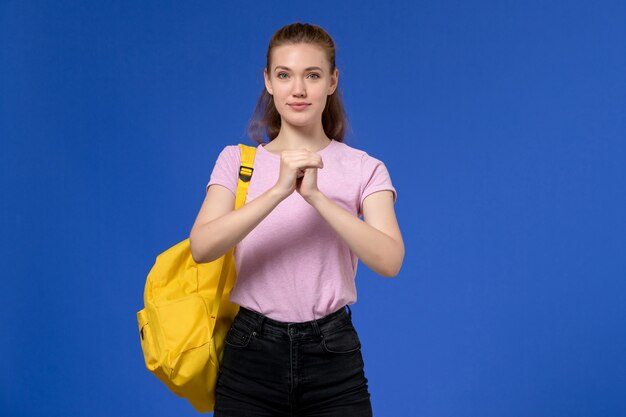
300	73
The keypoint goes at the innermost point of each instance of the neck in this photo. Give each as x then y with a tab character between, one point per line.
294	137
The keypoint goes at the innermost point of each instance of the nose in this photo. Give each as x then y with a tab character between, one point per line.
299	89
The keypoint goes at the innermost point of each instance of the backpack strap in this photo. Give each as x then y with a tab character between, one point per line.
245	173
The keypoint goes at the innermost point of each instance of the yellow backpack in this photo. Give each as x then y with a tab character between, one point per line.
187	313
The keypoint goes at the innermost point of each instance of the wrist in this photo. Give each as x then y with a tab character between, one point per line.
277	193
315	198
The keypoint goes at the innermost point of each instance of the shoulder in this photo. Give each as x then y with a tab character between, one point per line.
230	154
347	149
366	161
231	150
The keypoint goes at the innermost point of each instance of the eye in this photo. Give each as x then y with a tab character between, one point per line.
316	75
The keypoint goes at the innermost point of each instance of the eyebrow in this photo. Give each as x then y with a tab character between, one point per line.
306	69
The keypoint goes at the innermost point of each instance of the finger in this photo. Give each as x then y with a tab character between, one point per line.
305	162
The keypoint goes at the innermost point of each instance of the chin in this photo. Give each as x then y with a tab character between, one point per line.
303	120
299	123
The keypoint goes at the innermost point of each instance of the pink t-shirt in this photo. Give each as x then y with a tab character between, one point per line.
293	266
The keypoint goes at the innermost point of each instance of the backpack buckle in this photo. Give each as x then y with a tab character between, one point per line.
245	173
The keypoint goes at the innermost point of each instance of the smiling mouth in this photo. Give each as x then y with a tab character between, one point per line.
299	107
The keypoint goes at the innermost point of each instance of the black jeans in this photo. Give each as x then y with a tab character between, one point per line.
273	368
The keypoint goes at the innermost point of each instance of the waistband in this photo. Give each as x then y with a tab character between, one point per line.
326	323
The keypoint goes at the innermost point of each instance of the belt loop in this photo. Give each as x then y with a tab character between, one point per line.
317	329
260	319
349	312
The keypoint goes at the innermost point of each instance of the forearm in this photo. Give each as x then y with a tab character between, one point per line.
377	250
212	240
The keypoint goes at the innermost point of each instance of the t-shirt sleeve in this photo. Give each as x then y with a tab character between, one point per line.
374	177
226	169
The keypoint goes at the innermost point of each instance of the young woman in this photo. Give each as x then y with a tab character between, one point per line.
292	349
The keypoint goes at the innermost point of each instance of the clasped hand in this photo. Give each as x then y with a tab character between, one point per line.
298	171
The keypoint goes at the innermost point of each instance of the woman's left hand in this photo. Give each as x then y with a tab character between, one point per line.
306	185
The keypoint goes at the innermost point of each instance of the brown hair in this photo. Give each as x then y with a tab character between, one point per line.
266	118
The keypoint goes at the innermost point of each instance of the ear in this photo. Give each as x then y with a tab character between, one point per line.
268	84
334	82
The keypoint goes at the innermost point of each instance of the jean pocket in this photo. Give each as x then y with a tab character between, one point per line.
343	340
239	335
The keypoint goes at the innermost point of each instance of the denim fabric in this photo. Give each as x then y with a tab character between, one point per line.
273	368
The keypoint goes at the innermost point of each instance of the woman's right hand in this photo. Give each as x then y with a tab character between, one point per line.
292	166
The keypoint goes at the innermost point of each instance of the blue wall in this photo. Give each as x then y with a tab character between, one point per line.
502	124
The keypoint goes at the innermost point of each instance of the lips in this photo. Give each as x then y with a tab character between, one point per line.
298	106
